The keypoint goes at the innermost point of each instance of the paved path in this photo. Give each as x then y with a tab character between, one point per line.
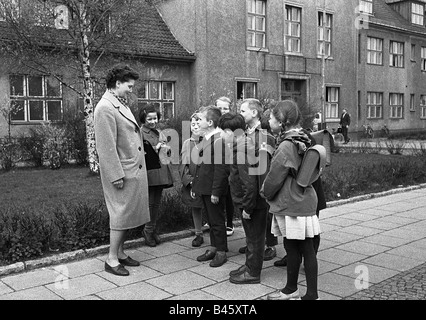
371	249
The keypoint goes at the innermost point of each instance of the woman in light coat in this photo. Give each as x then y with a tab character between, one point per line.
122	165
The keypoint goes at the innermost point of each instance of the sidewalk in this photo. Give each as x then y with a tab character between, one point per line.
370	249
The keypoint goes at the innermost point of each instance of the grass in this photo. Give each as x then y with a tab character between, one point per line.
38	188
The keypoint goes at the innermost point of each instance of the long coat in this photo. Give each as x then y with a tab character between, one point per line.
121	155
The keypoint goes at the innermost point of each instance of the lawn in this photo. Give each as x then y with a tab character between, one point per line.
38	188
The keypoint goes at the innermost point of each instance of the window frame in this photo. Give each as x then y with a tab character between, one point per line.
412	102
29	101
252	33
244	82
378	105
423	106
332	107
394	108
367	5
416	14
378	52
160	99
323	29
400	57
288	34
423	59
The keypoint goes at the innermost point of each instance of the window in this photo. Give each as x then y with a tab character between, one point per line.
423	57
159	93
366	6
417	13
324	33
256	24
396	102
246	90
412	102
374	50
332	103
423	106
374	105
293	20
396	50
413	52
35	98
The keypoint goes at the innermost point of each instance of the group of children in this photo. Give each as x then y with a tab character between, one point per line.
244	158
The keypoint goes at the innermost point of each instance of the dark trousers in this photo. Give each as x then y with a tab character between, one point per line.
255	229
271	239
295	249
216	220
345	133
229	207
155	193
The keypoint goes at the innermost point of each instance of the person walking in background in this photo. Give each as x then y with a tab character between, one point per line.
122	165
187	170
158	179
211	183
224	104
345	121
293	207
252	111
245	194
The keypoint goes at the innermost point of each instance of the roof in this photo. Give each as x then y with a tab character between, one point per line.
149	37
384	15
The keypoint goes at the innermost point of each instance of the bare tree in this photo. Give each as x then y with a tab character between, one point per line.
77	33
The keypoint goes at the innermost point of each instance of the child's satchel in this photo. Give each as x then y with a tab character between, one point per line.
312	166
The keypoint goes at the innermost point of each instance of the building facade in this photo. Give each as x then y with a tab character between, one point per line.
367	56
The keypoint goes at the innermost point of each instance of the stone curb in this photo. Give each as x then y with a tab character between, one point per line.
86	253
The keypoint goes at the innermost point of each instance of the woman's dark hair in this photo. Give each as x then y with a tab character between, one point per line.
121	73
150	108
232	121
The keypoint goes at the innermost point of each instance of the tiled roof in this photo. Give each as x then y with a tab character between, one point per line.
149	37
383	14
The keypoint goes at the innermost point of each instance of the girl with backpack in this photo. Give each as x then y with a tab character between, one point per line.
293	207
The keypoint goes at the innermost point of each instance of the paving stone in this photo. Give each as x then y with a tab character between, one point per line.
340	257
363	247
194	295
409	251
340	221
340	237
135	291
229	291
336	284
360	216
374	273
81	286
4	288
164	249
386	241
216	274
80	268
392	261
32	278
171	263
180	282
379	224
36	293
360	230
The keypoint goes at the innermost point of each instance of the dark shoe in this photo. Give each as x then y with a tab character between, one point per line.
281	263
240	270
219	259
270	253
129	262
118	270
156	237
244	278
149	240
206	256
242	249
198	241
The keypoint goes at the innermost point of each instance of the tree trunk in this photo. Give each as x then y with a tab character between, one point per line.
88	99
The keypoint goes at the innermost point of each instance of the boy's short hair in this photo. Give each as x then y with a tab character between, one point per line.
255	104
224	99
213	113
150	108
232	121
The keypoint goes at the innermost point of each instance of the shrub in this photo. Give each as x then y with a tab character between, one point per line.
33	145
10	153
